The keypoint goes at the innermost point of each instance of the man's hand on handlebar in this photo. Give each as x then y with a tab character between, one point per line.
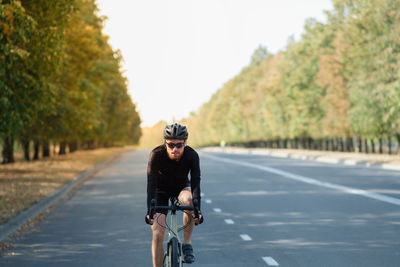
198	220
148	220
198	217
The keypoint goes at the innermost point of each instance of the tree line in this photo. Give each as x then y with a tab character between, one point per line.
337	88
61	82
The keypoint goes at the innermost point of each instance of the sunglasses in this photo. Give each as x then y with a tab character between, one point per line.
177	145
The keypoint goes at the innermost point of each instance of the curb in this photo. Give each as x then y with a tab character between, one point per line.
323	159
19	220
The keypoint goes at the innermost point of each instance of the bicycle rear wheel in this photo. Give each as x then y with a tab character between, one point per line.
173	253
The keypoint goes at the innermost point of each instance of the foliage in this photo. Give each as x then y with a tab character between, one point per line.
339	83
60	79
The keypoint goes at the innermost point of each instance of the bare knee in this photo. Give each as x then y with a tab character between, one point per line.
186	199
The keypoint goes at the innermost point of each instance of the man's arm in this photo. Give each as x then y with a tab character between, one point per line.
151	181
195	177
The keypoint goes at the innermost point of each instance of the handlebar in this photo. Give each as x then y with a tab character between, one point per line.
174	207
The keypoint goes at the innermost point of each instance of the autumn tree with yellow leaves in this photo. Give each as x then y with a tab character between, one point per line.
61	82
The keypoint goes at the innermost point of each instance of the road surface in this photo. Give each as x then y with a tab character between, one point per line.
259	211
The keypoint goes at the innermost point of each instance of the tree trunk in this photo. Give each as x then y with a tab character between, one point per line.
73	146
8	149
348	144
25	144
380	146
297	143
360	145
62	150
398	143
341	141
389	145
372	146
90	144
326	144
366	146
36	146
310	143
46	149
321	144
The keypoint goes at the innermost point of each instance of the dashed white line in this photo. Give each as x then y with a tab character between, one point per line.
350	162
229	221
208	201
327	160
391	167
245	237
217	210
270	261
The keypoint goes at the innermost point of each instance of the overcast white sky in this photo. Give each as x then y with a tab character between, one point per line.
178	53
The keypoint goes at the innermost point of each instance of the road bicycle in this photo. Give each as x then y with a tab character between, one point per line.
173	256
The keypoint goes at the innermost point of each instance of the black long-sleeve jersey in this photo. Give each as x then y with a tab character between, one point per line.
166	176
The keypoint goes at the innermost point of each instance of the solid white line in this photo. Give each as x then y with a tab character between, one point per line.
246	237
229	221
307	180
217	210
208	201
270	261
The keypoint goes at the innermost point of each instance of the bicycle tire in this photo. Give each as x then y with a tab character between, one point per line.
173	252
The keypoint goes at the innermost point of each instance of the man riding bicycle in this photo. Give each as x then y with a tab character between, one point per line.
167	176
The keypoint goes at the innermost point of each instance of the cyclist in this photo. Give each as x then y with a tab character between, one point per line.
167	176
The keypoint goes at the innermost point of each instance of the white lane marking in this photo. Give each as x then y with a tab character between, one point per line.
217	210
279	154
202	194
208	201
270	261
327	160
246	237
229	221
391	167
307	180
350	162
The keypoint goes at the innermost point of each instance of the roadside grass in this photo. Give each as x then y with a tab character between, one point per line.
22	184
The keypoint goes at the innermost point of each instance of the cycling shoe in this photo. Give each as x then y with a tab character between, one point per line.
188	253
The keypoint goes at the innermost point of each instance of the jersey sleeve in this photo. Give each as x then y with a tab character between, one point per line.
151	180
195	177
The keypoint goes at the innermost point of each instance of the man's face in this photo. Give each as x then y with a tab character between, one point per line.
175	148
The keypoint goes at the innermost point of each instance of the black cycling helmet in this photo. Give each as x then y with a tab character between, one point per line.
175	131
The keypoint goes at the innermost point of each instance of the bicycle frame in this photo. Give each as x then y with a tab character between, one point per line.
173	233
173	252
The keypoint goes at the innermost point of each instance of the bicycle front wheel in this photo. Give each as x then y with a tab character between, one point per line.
173	253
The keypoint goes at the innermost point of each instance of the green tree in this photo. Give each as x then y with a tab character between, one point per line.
16	27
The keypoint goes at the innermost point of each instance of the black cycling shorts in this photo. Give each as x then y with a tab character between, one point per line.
163	197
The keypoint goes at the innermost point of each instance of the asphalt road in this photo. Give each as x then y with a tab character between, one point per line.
259	211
